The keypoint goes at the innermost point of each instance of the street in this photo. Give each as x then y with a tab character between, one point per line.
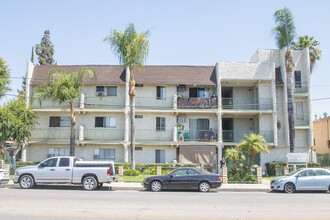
71	202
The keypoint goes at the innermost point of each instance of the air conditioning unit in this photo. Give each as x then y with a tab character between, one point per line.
181	88
100	93
181	120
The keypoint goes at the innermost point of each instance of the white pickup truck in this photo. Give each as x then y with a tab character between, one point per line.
66	170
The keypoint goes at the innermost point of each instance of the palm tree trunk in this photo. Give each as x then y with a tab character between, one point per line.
289	71
73	130
252	156
132	99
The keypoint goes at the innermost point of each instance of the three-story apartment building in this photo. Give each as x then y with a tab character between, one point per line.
188	114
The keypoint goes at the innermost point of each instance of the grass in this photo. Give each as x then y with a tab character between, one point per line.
136	179
268	177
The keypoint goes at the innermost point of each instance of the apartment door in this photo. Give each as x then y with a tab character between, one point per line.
197	127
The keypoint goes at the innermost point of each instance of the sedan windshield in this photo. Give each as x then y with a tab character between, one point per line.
294	172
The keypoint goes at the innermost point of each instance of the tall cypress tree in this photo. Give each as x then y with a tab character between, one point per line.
45	50
4	77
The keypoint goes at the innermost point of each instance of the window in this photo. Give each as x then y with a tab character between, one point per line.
50	163
160	124
181	173
198	92
64	162
106	90
297	79
105	122
161	92
138	116
105	153
322	173
160	156
138	148
55	152
59	121
192	172
306	173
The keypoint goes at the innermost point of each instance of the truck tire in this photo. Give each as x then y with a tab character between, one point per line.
26	181
89	183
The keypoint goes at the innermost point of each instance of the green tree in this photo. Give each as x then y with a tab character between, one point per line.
234	155
314	52
131	49
45	50
285	33
4	77
254	143
16	122
65	87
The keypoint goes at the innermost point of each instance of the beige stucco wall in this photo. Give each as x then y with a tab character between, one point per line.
322	135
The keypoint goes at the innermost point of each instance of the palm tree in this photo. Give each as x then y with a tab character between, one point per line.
285	33
314	52
235	155
254	143
65	87
132	50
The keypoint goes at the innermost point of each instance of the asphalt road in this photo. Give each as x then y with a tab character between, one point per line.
51	202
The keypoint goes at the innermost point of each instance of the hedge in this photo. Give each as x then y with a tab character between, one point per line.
271	167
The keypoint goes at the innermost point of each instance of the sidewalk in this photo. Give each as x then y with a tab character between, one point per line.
264	187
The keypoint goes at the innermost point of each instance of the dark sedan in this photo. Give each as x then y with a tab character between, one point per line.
184	178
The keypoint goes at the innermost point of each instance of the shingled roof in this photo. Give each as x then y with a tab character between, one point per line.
151	75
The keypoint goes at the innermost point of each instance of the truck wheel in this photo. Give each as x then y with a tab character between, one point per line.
89	183
26	182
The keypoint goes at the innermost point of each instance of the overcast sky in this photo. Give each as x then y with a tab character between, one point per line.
183	32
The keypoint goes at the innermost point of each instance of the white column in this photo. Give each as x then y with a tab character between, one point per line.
175	102
175	134
126	127
81	133
219	122
82	101
23	155
274	113
29	74
307	68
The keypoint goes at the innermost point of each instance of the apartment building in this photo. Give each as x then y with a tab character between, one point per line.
188	114
322	134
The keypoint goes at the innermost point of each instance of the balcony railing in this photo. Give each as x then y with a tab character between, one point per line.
153	102
104	102
232	136
51	134
153	135
301	120
103	134
48	104
197	135
301	87
197	103
247	103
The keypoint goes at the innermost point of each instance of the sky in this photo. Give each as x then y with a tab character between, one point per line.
183	32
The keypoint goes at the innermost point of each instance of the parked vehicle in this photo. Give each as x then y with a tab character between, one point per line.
184	178
4	176
66	170
303	179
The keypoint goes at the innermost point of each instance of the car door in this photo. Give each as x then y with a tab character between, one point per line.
63	172
305	180
193	179
178	179
322	179
46	171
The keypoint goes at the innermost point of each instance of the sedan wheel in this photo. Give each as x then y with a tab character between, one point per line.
204	187
26	182
89	183
289	188
156	186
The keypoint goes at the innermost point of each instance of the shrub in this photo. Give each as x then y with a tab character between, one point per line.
271	167
150	171
131	172
241	174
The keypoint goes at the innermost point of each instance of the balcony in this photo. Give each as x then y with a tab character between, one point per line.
153	135
103	134
105	102
197	103
235	137
153	103
247	103
48	104
301	120
51	134
301	87
197	136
